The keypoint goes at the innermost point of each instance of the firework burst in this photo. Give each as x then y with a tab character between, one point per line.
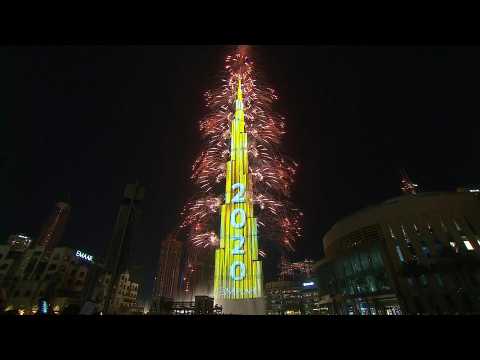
272	173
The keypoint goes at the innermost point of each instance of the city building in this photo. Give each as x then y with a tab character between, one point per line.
52	231
166	280
19	241
299	297
238	279
118	250
123	300
28	274
283	298
161	306
414	254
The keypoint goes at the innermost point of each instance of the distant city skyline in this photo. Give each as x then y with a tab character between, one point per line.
356	115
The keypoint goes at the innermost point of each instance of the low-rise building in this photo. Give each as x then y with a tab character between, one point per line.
124	296
30	273
415	254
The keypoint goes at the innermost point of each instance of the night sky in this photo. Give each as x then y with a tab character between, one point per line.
79	123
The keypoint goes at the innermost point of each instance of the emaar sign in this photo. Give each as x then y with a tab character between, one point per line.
84	256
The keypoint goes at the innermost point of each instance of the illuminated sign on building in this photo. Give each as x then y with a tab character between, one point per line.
311	283
238	271
84	256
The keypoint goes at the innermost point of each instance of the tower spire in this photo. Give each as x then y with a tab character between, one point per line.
238	270
239	91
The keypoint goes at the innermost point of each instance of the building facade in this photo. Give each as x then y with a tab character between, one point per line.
415	254
28	274
166	282
300	297
117	259
123	300
19	241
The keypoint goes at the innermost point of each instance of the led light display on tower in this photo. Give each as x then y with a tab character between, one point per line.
241	169
238	271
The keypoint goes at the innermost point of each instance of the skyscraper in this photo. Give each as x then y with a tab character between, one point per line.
168	272
118	252
238	270
54	228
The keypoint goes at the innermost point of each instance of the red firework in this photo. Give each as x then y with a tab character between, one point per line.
272	173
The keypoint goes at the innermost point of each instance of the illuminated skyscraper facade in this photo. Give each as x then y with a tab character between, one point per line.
54	228
238	270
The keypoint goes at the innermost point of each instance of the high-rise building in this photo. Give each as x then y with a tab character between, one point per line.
118	252
54	228
238	282
168	273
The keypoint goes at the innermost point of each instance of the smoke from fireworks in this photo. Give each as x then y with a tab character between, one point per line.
272	173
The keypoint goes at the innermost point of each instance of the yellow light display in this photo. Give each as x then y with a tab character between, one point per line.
238	272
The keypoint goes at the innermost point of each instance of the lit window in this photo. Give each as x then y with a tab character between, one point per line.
400	255
457	226
430	229
391	233
468	245
416	229
425	249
